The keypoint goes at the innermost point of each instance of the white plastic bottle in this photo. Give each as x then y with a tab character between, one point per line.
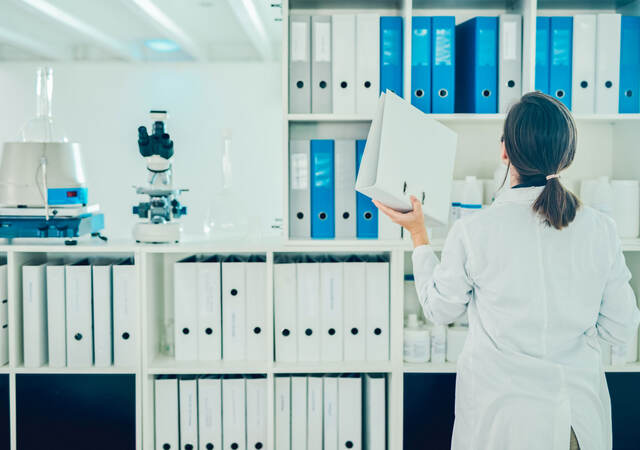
602	196
438	344
472	195
417	341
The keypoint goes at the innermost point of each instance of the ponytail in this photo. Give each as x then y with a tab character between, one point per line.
556	205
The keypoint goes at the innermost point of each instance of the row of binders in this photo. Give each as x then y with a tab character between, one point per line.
4	316
80	314
590	62
331	308
211	412
220	308
323	203
331	412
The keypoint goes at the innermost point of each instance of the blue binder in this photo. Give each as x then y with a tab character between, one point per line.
391	54
543	25
443	64
477	61
629	65
421	63
323	224
367	221
560	59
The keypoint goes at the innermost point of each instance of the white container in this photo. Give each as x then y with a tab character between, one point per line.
626	207
411	302
598	194
438	343
587	188
456	337
457	189
472	196
417	342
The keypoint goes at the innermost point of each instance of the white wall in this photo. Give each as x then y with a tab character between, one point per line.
101	106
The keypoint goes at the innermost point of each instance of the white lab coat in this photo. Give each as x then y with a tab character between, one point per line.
537	300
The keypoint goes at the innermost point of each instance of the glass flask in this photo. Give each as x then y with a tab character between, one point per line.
43	127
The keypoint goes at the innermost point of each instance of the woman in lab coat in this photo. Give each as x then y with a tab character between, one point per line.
542	279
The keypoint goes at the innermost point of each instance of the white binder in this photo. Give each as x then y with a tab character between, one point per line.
377	289
314	413
102	320
125	313
343	44
233	413
387	230
345	188
367	63
256	413
284	293
188	413
209	310
331	287
330	414
56	316
185	289
510	60
283	413
4	317
584	64
299	194
299	64
321	60
298	412
257	311
375	429
308	309
608	63
166	413
350	412
78	300
234	314
354	311
209	413
34	312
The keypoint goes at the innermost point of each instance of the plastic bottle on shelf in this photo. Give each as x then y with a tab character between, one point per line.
472	195
438	343
626	207
456	200
417	342
601	196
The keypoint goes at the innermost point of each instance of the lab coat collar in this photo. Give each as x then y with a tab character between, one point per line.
523	195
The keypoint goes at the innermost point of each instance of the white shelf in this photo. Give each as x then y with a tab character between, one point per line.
334	367
167	365
451	368
76	370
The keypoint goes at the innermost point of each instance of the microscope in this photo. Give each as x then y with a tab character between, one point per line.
163	205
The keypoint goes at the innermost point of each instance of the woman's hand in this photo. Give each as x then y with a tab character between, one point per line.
412	221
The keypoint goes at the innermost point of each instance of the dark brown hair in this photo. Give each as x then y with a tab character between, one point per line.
540	140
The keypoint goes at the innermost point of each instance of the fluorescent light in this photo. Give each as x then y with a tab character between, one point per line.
162	45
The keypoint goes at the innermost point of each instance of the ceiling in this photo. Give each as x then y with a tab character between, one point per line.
140	30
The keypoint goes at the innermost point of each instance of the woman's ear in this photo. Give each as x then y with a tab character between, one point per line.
503	153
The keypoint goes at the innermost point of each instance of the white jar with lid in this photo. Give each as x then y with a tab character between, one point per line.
417	341
472	195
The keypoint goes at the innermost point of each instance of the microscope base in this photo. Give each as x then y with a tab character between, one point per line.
161	233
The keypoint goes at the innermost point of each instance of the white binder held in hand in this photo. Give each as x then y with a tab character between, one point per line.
408	153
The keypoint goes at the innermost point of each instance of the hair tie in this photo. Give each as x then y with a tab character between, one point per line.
555	175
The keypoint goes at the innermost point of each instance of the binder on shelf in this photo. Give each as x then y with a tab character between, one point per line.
166	413
331	282
421	63
4	316
629	65
298	412
308	309
256	413
125	313
323	224
283	413
608	63
510	60
477	66
354	310
345	189
377	310
102	317
34	314
543	38
330	412
375	430
234	309
560	59
314	413
185	285
584	64
443	64
56	315
391	60
210	412
256	273
188	390
285	292
367	62
299	193
350	412
209	310
299	64
321	85
233	413
343	48
78	301
367	213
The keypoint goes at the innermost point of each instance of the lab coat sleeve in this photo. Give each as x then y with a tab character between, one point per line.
444	288
619	316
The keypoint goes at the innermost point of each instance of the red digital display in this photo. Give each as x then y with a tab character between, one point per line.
72	194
